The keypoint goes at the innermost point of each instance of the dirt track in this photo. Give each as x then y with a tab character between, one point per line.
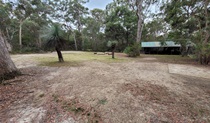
136	91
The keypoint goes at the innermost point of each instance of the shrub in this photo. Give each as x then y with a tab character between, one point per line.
132	51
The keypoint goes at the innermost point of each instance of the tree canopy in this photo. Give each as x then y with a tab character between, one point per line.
127	22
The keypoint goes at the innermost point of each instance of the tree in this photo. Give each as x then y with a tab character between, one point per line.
6	24
139	7
120	25
18	13
73	12
22	11
54	39
93	31
112	45
190	20
155	30
7	67
179	15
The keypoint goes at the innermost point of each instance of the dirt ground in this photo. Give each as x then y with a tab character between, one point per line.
136	91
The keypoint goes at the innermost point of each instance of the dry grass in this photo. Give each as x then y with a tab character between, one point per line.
59	108
112	90
178	59
179	108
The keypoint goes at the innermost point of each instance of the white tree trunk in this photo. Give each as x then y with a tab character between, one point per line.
20	34
140	21
75	41
7	66
8	45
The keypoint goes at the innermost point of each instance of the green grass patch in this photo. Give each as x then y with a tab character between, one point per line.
76	59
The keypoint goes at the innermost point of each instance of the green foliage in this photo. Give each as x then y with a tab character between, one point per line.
120	24
132	51
93	36
112	43
30	49
155	30
189	20
53	35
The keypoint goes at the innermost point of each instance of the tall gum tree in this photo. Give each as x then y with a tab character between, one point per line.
190	20
7	67
73	13
139	7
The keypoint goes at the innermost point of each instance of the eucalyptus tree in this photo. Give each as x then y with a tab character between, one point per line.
21	11
190	20
77	12
7	23
94	29
7	67
156	30
140	7
40	17
71	14
178	15
120	24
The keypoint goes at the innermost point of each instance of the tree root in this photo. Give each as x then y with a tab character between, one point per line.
8	76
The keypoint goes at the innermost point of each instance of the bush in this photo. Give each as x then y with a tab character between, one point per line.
132	51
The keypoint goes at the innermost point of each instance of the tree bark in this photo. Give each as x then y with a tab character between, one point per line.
60	56
140	22
20	35
75	41
113	54
7	67
113	49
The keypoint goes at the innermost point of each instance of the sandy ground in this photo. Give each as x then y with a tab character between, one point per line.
129	92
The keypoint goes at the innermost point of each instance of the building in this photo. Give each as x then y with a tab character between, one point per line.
168	47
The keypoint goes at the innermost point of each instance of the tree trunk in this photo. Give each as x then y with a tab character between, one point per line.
60	56
80	30
140	22
113	54
39	42
20	35
75	41
113	49
7	67
8	45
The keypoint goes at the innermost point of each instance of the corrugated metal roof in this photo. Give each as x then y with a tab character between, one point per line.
158	44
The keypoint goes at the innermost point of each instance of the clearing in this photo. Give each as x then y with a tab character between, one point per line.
97	89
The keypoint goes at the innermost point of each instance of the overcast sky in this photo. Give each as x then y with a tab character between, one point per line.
101	4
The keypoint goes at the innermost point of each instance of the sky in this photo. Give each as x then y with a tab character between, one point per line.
101	4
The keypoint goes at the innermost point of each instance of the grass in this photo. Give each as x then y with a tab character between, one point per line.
75	59
76	108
